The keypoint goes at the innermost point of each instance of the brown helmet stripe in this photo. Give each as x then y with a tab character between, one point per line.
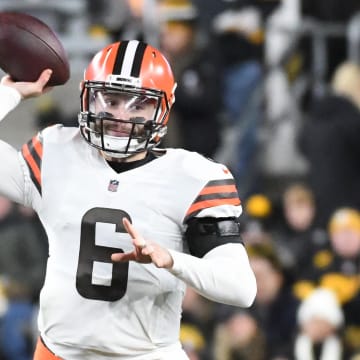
129	58
138	58
120	57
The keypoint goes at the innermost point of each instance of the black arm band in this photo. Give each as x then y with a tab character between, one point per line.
204	234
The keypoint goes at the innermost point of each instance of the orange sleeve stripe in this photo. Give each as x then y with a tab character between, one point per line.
32	163
218	189
211	203
37	146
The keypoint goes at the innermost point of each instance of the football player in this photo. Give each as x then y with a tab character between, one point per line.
129	224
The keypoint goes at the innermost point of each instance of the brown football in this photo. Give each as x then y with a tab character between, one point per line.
28	46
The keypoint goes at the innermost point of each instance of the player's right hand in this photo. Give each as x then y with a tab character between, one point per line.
144	251
29	89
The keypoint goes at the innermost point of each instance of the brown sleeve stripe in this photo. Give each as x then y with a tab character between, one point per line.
211	203
215	193
36	144
218	189
32	153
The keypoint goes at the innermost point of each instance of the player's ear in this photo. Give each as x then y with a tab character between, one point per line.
81	85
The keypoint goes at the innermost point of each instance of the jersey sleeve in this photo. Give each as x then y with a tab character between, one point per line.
9	99
13	183
218	196
32	153
20	171
223	275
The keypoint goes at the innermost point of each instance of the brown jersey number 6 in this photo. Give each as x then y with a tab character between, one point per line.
90	253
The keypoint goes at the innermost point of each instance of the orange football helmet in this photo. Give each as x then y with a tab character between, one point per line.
138	72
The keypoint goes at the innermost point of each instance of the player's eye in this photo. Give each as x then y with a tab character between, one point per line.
111	101
136	107
141	103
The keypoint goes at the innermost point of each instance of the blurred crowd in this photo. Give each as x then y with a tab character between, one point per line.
271	88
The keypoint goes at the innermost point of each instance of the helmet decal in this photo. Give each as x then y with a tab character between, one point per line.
129	58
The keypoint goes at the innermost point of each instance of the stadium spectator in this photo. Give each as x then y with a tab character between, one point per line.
329	141
337	269
22	270
320	320
198	95
239	37
239	336
295	234
275	306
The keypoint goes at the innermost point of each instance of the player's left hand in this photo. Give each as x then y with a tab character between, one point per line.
144	251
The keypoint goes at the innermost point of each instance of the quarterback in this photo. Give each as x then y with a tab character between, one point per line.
129	224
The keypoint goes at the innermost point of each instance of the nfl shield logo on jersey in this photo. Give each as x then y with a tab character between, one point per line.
113	185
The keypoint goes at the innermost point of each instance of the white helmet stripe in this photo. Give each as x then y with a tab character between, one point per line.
129	58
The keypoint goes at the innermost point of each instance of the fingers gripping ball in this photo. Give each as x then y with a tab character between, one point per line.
28	46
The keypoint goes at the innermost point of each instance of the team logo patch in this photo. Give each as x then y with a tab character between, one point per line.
113	185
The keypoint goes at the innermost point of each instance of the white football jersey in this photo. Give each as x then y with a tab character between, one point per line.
89	305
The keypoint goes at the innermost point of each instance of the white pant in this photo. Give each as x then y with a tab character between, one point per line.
171	352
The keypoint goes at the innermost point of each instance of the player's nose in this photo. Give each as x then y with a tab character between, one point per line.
121	112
